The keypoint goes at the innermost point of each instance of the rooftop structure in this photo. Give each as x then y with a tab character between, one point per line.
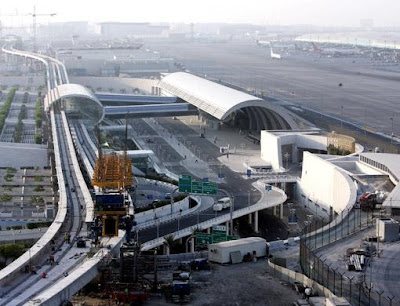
225	103
76	99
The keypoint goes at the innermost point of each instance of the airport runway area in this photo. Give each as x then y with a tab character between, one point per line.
354	87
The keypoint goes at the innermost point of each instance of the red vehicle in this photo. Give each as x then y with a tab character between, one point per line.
368	201
130	296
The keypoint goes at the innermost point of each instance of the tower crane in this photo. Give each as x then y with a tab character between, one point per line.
34	15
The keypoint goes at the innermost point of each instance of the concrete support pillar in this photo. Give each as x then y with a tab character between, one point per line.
227	227
166	249
180	240
209	230
250	218
256	221
281	211
275	214
192	245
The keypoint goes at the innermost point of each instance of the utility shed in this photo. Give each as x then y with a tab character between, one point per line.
387	230
222	252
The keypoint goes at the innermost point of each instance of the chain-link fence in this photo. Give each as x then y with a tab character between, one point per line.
358	290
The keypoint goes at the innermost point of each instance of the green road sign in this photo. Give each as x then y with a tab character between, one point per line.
215	237
218	238
197	187
185	183
218	233
203	238
210	188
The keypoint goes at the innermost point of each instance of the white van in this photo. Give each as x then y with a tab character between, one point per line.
222	204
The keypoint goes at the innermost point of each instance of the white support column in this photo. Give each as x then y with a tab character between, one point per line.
192	245
166	249
227	227
250	218
256	221
209	230
281	211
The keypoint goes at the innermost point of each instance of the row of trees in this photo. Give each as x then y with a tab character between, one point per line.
38	114
38	120
332	150
20	125
25	98
4	110
11	251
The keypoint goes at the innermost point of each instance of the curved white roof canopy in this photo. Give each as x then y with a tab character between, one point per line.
73	91
215	99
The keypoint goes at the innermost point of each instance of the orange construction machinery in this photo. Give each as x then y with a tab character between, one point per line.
112	175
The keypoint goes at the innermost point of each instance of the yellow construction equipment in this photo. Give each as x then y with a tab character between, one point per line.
113	171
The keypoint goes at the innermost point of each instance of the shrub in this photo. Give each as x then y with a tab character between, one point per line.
38	188
38	139
5	108
38	225
5	197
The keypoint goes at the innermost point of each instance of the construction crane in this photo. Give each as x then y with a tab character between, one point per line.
34	15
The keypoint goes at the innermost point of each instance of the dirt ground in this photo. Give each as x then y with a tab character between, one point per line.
241	284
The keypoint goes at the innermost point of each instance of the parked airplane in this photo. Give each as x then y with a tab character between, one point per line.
262	43
335	52
275	55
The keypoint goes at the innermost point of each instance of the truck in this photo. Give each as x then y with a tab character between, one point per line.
180	291
369	200
223	252
222	204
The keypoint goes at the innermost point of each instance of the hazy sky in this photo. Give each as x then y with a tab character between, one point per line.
317	12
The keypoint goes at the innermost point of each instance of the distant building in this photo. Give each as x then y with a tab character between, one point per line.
131	29
65	30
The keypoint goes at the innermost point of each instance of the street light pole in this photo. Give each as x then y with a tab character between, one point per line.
158	228
391	135
341	115
231	214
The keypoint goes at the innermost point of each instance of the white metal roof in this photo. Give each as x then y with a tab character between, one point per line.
391	161
70	91
239	242
213	98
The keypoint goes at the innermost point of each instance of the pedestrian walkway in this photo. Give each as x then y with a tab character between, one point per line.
242	152
193	163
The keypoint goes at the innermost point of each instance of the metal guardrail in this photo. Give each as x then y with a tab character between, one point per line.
268	179
89	205
168	218
68	286
358	292
262	204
